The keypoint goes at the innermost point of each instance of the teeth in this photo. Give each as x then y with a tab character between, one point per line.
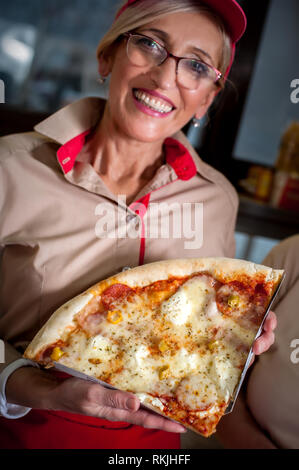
152	103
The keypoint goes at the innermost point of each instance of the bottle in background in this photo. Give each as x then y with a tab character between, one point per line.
285	192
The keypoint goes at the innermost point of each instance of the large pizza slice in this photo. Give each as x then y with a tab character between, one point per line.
177	333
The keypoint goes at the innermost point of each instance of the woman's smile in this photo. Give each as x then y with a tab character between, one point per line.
148	103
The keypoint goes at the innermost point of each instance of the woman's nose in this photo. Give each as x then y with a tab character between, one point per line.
165	75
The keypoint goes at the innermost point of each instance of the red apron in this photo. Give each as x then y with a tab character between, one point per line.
43	429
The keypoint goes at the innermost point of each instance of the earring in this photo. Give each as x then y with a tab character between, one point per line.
195	122
102	80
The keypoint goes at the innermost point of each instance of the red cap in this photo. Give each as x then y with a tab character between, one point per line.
229	10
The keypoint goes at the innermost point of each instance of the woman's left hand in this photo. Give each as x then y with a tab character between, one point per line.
267	338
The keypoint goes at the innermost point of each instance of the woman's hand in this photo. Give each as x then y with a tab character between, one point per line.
80	396
267	338
37	389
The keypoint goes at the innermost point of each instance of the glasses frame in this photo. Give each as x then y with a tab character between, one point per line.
128	35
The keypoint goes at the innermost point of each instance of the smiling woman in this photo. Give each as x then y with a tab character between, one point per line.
167	60
143	71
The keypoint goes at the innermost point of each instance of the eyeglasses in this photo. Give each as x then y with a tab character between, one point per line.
144	51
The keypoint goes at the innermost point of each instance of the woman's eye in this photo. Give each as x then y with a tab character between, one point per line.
198	67
148	43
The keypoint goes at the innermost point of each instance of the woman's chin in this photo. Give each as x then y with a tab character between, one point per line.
145	129
144	133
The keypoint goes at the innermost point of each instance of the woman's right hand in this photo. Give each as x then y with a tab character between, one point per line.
38	389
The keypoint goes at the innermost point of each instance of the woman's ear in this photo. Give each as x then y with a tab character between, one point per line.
106	59
206	103
104	65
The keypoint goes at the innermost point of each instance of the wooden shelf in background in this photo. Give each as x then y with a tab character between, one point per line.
260	219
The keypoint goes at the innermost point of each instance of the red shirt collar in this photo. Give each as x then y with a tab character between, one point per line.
177	156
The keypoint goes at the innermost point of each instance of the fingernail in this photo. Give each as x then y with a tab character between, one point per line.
182	430
130	404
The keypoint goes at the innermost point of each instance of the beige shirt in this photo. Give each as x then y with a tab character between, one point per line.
273	388
62	230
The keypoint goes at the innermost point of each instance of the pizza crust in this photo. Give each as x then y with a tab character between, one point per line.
225	269
60	323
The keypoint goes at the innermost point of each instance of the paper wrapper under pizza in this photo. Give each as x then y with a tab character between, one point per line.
178	333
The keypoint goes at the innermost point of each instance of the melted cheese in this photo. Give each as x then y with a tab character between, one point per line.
190	300
177	309
199	363
197	391
224	375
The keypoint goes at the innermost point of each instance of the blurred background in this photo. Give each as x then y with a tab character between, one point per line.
48	59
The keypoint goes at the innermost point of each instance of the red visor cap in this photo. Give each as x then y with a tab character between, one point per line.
229	10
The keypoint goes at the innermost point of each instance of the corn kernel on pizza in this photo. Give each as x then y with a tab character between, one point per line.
177	333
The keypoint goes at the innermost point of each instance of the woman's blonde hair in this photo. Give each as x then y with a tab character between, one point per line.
145	11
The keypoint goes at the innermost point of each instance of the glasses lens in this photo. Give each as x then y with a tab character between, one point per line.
144	51
193	72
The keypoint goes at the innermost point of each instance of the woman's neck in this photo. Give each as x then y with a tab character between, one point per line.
120	158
